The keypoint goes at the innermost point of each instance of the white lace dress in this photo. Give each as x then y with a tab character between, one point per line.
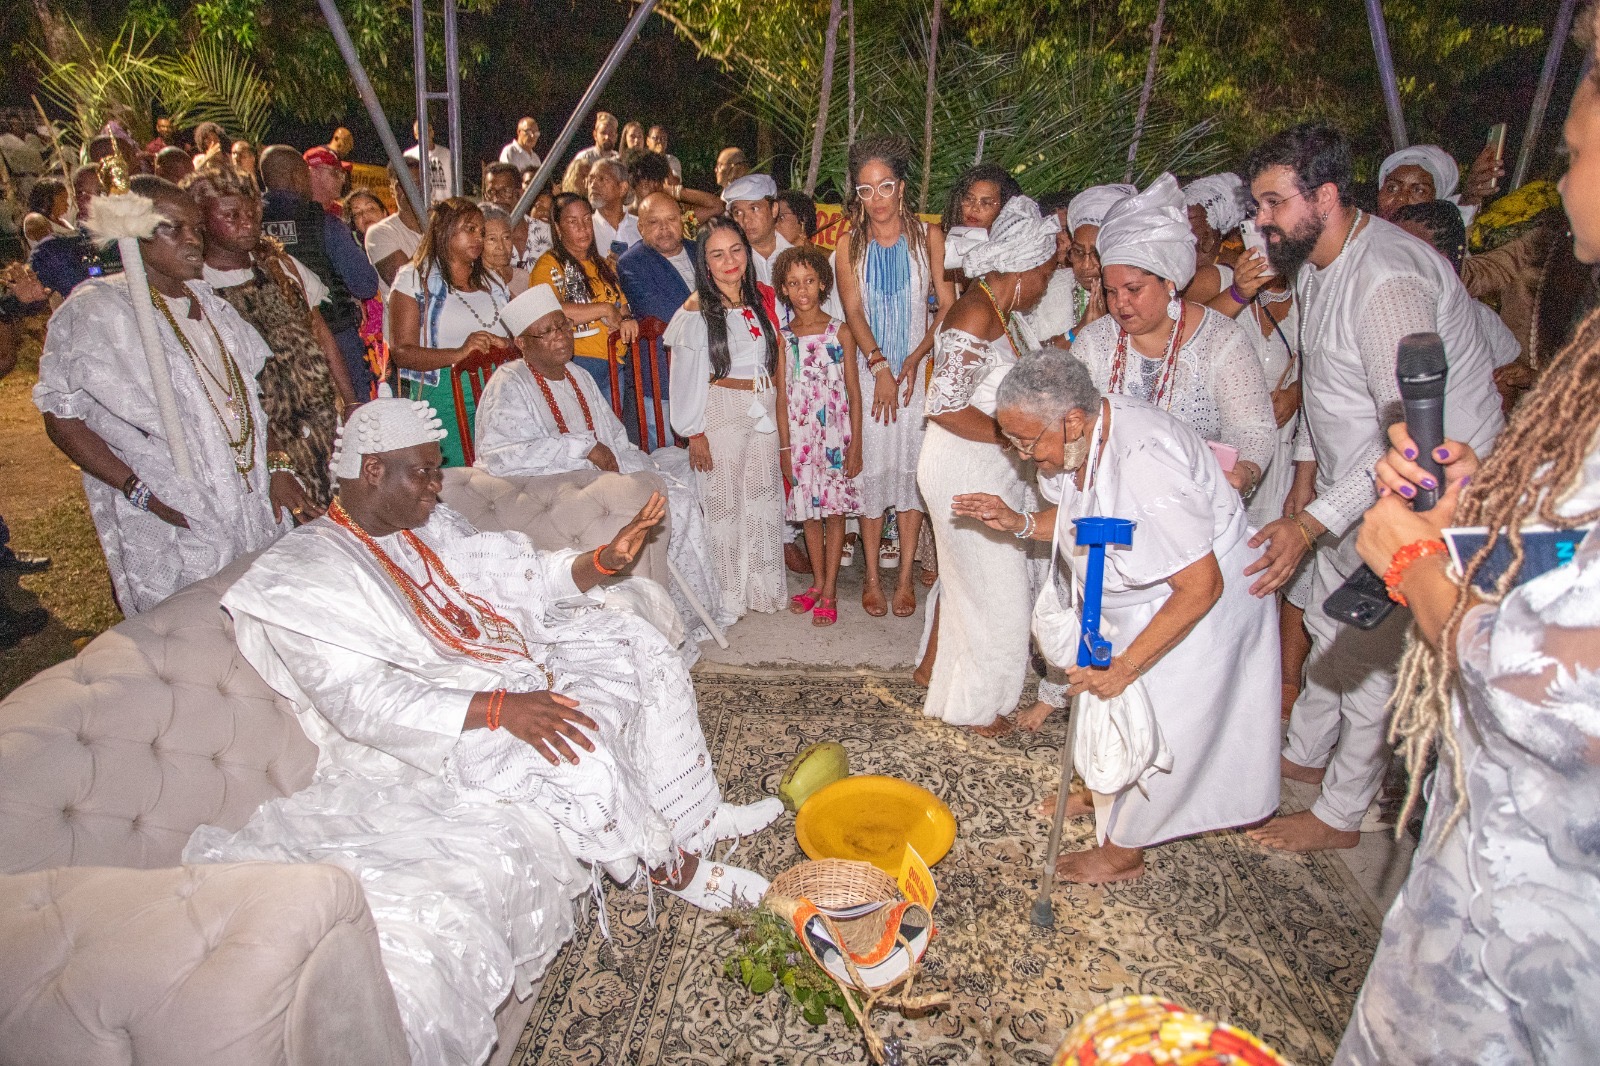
985	596
1217	388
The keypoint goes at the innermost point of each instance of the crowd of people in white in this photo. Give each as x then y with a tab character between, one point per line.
940	398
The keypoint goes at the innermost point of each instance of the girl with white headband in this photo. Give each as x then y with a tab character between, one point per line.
1177	355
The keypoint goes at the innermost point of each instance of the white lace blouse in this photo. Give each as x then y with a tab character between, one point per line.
1218	389
967	370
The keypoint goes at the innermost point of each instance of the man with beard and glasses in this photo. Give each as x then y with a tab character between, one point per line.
1363	284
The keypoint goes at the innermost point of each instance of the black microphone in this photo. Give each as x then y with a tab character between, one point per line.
1421	370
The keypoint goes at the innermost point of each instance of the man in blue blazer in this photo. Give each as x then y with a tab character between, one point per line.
657	275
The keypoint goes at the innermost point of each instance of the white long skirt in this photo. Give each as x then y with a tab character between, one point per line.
743	500
984	604
1266	505
890	454
1216	698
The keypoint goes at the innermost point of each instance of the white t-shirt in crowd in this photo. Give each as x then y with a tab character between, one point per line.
315	291
438	171
519	157
462	314
626	232
684	265
764	262
388	236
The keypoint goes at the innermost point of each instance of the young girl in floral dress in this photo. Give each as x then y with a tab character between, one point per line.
820	447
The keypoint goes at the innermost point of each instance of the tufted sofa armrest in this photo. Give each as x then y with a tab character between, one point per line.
582	509
242	963
158	726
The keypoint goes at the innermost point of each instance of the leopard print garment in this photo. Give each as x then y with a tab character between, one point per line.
297	390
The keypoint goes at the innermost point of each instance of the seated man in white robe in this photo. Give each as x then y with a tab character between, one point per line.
482	722
536	418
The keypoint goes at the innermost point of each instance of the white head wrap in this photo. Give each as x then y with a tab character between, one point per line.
1089	207
529	308
1151	231
384	425
1433	159
959	241
750	187
1019	239
1223	197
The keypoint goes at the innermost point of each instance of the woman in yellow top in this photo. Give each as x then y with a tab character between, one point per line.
587	286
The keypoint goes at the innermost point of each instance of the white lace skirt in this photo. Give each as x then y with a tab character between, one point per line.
743	500
889	454
984	602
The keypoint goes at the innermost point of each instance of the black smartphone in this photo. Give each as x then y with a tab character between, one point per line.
1362	601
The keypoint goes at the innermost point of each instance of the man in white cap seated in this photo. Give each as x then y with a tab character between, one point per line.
1426	172
482	723
753	202
535	417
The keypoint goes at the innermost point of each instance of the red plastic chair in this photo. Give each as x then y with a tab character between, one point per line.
475	371
647	348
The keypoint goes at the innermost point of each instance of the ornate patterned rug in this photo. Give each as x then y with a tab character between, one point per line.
1277	944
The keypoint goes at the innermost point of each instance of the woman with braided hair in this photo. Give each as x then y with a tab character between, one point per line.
305	383
1491	952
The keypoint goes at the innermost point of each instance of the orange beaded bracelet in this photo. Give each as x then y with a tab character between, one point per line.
598	565
497	699
1402	562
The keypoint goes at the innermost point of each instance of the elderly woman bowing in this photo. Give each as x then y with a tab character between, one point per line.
1177	605
1173	353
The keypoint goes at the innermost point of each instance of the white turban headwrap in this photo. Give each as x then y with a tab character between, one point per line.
1222	196
1151	231
383	425
1019	239
1433	159
1090	206
529	308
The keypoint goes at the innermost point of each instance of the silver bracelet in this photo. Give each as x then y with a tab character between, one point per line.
139	495
1027	526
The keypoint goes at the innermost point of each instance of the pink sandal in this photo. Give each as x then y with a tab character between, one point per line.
826	612
806	600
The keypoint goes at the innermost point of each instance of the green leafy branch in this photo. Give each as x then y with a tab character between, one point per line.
768	955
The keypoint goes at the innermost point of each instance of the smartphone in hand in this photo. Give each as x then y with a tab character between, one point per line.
1497	141
1255	242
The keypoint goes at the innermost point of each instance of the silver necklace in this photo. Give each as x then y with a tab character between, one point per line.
493	299
1300	323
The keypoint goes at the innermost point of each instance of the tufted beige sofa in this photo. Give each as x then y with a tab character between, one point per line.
110	953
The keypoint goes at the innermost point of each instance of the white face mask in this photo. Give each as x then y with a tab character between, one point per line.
1073	452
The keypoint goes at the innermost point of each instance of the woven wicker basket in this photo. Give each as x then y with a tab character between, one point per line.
834	884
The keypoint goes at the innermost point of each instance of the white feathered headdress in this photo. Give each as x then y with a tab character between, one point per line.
115	216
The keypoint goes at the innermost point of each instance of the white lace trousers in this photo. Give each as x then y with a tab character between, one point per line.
743	500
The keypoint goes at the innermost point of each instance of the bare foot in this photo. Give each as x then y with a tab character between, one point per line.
1079	805
1311	775
1101	865
905	600
1303	832
872	600
928	576
997	728
1032	718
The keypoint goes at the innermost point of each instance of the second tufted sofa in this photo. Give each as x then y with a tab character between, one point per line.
112	953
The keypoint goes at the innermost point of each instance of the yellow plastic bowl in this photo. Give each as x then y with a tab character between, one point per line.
870	818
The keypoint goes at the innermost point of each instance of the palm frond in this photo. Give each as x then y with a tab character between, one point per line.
117	80
210	83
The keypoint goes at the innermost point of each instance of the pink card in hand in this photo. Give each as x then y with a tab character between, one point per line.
1226	454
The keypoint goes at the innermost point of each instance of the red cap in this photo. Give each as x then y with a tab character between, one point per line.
323	156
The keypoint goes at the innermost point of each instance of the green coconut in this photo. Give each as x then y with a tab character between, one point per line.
819	765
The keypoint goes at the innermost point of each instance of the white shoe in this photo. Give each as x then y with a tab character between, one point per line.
717	886
743	819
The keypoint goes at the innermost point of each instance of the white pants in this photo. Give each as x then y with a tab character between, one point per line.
1339	720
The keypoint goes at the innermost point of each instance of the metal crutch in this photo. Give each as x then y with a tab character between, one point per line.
1095	533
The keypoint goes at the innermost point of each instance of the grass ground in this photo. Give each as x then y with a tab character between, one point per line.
41	497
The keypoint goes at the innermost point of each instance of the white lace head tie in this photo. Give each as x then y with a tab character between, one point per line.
1019	239
1223	197
1089	207
1433	159
1150	231
383	425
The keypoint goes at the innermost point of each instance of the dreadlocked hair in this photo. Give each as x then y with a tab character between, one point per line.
1534	467
894	153
990	172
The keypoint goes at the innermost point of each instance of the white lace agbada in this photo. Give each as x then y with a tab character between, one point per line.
464	842
1217	390
94	369
517	435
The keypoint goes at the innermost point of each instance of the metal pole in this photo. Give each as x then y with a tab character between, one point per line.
369	97
579	113
419	66
1149	85
452	88
1043	913
1541	98
1391	87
